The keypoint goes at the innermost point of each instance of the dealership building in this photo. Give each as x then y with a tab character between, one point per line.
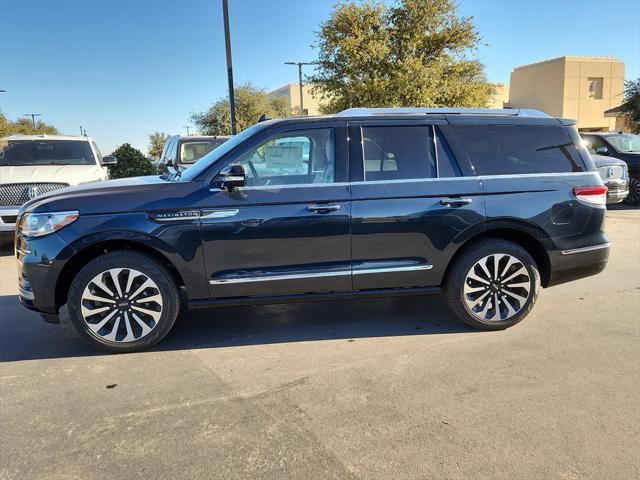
586	89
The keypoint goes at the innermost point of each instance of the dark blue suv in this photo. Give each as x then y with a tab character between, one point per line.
485	205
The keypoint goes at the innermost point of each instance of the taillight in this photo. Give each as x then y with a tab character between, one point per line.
592	195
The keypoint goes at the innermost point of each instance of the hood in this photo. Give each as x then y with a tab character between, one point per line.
601	161
127	195
71	174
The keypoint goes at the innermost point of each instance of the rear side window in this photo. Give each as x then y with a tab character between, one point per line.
399	152
518	149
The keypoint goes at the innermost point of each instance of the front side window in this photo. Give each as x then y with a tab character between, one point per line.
190	152
593	143
398	152
519	149
45	152
293	158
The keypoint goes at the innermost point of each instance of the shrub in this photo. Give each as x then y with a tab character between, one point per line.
131	163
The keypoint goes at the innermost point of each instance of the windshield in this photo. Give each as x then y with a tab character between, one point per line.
625	142
217	153
191	152
45	152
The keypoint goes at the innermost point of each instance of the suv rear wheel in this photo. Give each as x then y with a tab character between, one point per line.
123	301
493	285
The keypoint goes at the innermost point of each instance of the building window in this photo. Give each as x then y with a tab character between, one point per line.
595	87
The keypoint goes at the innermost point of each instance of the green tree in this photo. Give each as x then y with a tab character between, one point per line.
251	103
156	144
415	53
24	126
131	163
631	105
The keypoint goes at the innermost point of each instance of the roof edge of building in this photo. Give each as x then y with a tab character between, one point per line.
569	57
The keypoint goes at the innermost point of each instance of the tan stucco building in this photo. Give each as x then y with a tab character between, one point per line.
581	88
291	92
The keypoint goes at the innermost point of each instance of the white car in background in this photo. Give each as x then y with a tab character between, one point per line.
31	165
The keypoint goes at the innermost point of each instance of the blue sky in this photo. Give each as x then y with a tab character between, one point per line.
124	68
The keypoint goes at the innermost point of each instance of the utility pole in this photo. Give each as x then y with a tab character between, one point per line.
33	118
227	43
2	91
187	127
300	64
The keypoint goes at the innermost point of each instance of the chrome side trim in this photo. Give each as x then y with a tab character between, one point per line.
293	276
220	214
336	273
412	268
586	249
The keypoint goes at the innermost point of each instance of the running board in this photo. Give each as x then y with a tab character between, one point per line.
312	297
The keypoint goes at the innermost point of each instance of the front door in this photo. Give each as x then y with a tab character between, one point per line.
287	231
411	205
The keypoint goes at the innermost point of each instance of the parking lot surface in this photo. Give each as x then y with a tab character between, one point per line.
370	389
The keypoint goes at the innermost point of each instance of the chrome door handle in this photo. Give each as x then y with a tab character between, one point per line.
323	208
455	202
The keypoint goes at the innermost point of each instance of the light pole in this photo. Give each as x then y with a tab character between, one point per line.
2	91
300	64
227	43
33	118
187	127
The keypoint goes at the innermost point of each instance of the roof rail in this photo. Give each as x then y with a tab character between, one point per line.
507	112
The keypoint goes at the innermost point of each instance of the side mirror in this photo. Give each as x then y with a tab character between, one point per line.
169	162
602	150
109	160
230	177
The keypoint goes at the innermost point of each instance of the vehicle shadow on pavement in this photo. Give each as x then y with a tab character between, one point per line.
24	336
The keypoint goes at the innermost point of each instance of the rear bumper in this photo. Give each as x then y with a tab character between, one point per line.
572	264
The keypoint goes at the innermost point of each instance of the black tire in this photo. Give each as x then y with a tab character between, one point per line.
634	193
163	284
470	256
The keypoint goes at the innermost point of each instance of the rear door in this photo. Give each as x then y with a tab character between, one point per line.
287	231
411	204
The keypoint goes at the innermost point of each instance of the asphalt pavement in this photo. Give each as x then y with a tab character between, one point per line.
375	389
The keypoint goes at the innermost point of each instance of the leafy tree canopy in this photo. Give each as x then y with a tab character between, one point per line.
631	105
413	53
156	144
131	163
251	103
24	126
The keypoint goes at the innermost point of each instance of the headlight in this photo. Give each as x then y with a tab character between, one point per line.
40	224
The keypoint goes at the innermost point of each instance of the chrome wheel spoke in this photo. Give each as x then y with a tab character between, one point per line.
110	311
494	298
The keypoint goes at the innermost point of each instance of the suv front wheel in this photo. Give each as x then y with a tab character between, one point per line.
123	301
493	285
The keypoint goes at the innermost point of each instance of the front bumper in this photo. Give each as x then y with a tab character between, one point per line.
8	217
617	190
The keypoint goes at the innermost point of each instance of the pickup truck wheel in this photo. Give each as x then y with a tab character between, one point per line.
123	301
493	285
634	192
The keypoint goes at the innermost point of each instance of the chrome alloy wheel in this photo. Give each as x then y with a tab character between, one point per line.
497	287
634	192
121	305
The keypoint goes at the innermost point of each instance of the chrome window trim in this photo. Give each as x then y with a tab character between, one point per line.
586	249
336	273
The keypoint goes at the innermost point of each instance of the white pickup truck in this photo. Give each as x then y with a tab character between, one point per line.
31	165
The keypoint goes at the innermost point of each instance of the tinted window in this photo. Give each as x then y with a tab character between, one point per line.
511	149
399	152
447	165
46	152
306	156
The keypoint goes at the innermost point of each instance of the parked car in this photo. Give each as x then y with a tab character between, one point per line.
484	205
625	146
180	152
615	175
31	165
